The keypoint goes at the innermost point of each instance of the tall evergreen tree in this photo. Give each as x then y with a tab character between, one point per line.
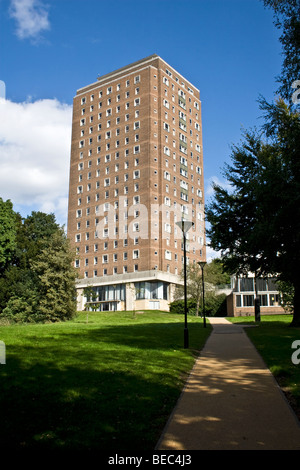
287	20
56	279
8	231
256	224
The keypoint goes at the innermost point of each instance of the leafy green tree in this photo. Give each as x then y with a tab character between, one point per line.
33	235
37	277
214	274
287	20
256	224
287	292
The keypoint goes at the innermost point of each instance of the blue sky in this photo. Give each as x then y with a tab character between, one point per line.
229	49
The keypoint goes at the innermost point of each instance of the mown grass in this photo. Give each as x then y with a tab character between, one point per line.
273	337
106	384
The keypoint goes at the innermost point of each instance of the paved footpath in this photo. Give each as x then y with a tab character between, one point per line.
231	400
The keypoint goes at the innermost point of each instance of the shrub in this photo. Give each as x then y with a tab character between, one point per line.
215	305
17	310
178	306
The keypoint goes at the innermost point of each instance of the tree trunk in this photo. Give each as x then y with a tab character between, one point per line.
296	316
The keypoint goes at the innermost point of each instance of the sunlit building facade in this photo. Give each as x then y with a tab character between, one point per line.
136	169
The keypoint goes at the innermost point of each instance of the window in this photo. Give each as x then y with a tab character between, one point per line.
263	300
136	149
167	201
246	284
167	151
274	298
248	300
135	254
168	228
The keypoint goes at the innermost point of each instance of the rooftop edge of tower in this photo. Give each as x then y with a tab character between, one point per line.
134	65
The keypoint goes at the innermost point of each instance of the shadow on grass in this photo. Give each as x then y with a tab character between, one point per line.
108	388
81	409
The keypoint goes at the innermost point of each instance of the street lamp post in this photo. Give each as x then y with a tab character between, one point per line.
185	225
202	264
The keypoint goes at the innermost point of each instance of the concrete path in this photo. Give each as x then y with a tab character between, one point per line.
231	400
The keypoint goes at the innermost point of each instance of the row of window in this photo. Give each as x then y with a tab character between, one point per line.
107	206
143	290
166	82
247	284
109	111
266	300
136	125
107	159
109	89
115	270
105	258
135	175
135	268
105	245
136	148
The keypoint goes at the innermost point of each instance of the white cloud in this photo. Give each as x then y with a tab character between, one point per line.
215	180
31	17
35	141
211	254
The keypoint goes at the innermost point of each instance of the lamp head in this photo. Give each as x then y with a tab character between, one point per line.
202	264
185	225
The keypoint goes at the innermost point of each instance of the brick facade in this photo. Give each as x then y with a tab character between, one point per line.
136	168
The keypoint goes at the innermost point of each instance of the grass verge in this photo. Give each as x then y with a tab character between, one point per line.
108	381
273	338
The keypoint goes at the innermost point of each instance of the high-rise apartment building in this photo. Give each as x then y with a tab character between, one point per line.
136	170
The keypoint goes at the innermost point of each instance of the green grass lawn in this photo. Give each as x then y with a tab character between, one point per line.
109	384
273	338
